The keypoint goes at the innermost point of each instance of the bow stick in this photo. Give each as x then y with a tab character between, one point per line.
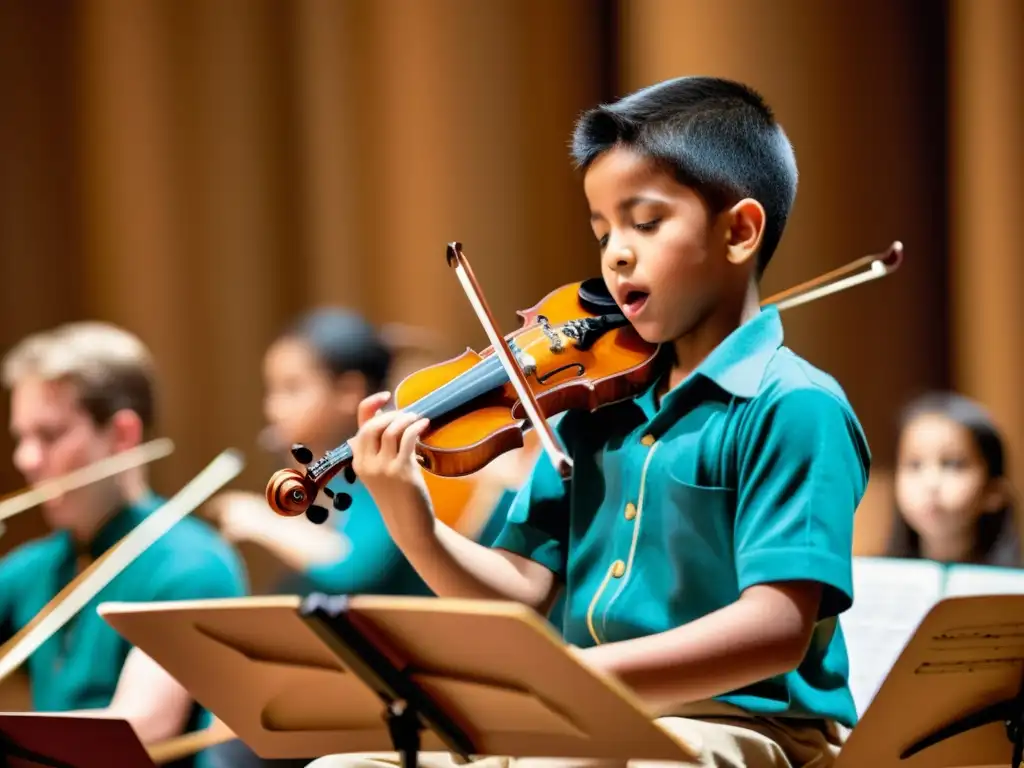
40	493
26	499
863	270
177	747
552	445
77	594
840	279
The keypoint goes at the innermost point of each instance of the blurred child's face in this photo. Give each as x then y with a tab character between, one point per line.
303	402
655	237
53	435
942	481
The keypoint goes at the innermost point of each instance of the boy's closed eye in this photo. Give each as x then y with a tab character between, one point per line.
648	226
642	226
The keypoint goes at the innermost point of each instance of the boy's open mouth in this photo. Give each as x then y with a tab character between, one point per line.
634	303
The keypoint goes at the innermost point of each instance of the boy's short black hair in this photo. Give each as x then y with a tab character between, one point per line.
718	136
344	341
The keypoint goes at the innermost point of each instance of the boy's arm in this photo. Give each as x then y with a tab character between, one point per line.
451	564
763	634
302	546
802	473
155	704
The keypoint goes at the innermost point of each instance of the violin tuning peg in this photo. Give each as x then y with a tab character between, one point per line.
350	474
317	514
302	454
342	501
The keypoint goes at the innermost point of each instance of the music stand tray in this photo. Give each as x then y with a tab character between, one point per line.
303	678
56	740
955	697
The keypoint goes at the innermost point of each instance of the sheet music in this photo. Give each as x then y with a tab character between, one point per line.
890	598
983	580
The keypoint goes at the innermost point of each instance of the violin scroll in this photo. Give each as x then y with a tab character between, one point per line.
290	494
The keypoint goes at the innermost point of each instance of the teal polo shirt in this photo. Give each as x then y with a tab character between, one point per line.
492	529
372	564
748	472
79	666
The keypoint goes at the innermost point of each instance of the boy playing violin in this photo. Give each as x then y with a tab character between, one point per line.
705	539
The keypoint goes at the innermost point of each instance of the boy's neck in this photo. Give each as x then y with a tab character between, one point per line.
134	485
89	525
691	349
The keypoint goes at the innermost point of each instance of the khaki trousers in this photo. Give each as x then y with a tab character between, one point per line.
721	741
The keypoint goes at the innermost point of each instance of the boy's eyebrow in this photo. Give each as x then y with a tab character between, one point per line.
626	204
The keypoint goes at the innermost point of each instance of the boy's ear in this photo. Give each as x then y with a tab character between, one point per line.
744	230
126	429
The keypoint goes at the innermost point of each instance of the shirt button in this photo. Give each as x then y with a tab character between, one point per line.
630	511
618	569
647	440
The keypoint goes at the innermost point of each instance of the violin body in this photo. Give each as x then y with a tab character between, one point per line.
561	376
576	351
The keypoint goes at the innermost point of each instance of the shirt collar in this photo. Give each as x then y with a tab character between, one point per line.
121	523
737	365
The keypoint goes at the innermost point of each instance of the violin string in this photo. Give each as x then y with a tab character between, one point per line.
474	382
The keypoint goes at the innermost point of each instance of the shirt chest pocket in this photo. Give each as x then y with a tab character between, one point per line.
693	513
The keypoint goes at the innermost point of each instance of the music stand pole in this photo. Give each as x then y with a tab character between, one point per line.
407	708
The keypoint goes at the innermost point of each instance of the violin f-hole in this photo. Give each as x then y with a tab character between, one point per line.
546	377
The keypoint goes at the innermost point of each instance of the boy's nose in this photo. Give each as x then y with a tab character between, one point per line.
28	459
621	258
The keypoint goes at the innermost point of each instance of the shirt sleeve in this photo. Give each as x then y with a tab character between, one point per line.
537	525
803	468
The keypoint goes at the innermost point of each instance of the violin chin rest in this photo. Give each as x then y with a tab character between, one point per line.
595	296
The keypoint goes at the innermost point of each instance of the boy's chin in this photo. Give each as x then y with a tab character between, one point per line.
651	333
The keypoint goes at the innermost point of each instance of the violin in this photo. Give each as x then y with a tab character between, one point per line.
574	349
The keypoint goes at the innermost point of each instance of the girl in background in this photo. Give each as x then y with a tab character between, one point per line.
954	503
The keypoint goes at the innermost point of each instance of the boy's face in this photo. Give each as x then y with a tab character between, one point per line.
302	402
656	238
53	435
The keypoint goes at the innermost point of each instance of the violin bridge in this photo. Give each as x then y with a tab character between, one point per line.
526	361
